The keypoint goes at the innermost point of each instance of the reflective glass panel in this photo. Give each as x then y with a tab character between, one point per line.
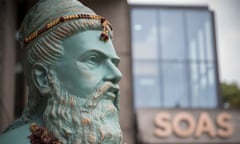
200	37
172	37
173	58
144	34
175	85
146	84
203	85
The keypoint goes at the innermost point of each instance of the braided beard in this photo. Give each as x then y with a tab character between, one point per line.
74	120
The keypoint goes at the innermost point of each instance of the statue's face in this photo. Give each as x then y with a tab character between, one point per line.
87	63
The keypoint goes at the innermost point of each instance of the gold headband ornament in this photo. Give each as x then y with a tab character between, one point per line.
105	23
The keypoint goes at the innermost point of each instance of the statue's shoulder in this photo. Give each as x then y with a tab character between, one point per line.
16	136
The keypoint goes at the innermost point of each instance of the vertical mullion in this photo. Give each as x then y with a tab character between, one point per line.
160	67
187	62
215	62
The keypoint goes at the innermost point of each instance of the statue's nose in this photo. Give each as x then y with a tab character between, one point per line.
113	73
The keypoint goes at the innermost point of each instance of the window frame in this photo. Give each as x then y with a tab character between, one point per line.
214	45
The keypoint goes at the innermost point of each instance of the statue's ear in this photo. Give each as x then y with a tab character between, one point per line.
40	79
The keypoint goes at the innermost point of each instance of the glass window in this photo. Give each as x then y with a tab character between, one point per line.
200	37
172	40
203	85
146	84
144	34
175	85
173	58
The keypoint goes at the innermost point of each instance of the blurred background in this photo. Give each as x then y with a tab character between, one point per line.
177	56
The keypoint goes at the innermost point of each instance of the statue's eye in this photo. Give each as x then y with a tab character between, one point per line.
93	60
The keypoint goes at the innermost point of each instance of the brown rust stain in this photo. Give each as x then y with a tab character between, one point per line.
85	121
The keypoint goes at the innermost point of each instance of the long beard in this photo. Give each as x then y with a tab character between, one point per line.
74	120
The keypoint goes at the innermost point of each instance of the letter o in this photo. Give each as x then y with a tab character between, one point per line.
188	119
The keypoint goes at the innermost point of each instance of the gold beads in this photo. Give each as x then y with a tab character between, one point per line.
104	35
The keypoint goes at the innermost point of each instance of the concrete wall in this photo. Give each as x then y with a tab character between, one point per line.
117	12
7	64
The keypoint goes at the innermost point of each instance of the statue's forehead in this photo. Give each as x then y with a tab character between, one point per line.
84	41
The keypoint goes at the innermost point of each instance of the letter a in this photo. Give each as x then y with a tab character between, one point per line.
205	125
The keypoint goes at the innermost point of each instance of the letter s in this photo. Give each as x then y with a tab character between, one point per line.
224	122
162	121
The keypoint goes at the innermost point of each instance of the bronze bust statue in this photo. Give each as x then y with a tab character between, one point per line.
70	65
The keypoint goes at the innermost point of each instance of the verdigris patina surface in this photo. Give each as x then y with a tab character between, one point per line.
71	69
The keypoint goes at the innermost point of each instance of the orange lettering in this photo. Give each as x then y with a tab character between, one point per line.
162	121
205	125
178	128
223	121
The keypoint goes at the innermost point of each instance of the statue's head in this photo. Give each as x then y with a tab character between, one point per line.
70	65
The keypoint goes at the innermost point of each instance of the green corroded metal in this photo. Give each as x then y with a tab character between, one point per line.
72	77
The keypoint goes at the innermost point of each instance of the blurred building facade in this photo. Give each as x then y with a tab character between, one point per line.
174	57
170	87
